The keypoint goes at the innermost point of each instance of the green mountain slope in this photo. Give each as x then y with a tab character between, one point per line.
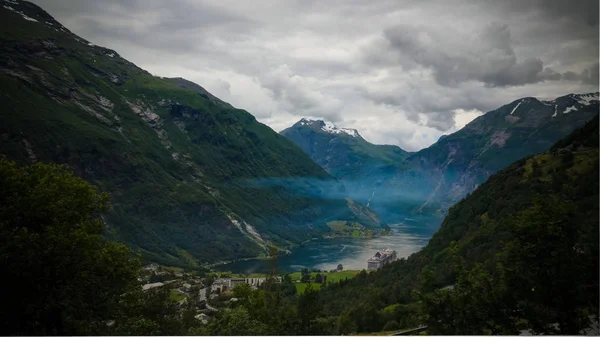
520	252
185	170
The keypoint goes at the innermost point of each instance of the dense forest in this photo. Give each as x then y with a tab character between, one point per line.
520	252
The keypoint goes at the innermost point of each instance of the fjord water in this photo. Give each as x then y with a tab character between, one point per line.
325	254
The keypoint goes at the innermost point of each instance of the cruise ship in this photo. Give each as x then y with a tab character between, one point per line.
381	258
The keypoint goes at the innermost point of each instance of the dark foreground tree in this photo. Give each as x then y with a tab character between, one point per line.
60	276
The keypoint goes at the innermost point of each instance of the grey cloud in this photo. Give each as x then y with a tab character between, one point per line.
440	120
489	58
154	24
587	76
284	59
226	86
590	75
585	11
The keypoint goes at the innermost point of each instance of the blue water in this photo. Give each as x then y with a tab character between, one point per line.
325	254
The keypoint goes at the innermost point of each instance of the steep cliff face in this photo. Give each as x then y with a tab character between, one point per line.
185	170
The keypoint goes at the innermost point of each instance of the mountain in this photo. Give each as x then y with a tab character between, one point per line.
346	155
342	152
397	184
191	178
458	163
520	252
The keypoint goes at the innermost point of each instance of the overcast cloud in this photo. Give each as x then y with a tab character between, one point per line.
401	72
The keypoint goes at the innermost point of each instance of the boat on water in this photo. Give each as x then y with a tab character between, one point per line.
381	258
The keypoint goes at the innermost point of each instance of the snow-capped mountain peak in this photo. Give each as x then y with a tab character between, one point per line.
586	99
329	127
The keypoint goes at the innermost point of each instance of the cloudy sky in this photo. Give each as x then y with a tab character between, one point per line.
402	72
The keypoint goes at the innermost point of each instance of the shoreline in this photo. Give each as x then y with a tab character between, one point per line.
288	251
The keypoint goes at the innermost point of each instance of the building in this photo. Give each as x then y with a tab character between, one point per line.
152	285
233	282
381	258
251	281
186	287
203	318
151	268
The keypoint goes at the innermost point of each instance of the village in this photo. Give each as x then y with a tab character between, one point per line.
210	293
207	294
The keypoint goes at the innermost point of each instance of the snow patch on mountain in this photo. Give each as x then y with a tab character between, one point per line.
569	109
307	121
329	127
515	108
587	99
29	18
19	12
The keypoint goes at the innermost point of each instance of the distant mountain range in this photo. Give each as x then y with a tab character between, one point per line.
396	183
192	179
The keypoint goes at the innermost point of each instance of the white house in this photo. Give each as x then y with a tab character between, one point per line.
152	285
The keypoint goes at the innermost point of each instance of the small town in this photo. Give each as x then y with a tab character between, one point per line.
207	294
210	293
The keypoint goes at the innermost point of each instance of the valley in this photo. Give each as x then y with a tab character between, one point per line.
192	179
133	203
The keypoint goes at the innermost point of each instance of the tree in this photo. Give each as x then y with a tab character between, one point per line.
237	322
210	279
340	267
308	310
345	325
305	275
552	265
151	312
60	276
242	291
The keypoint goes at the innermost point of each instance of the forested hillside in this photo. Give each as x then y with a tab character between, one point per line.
184	170
519	253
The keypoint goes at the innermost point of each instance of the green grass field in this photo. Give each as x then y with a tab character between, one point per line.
331	277
300	287
176	295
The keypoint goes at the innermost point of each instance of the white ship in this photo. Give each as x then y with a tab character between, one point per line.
381	258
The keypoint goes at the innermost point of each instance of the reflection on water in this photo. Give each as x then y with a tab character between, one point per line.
353	253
